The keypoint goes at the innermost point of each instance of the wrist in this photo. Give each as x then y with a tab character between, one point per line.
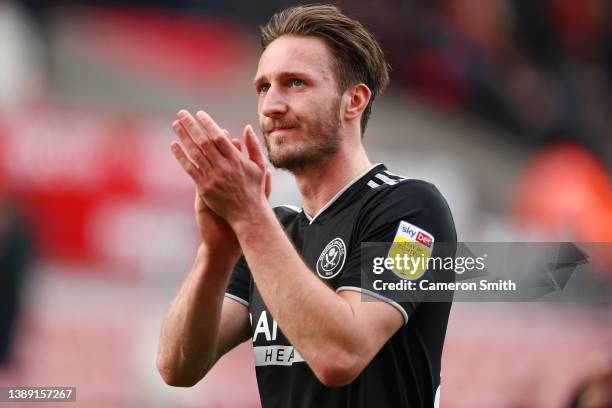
217	256
250	221
210	273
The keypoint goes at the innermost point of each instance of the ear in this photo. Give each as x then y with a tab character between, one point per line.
358	97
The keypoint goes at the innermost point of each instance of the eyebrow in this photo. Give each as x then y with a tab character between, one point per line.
261	79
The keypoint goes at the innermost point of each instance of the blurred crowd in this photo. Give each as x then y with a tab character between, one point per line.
542	69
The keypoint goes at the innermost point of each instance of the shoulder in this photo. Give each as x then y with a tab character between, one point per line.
406	193
416	201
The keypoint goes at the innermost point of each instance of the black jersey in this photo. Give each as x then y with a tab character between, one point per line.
372	208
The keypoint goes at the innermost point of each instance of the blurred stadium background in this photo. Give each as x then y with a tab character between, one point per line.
506	105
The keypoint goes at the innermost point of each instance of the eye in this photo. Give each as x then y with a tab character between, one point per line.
297	82
263	88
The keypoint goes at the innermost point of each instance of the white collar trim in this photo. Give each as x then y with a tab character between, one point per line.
339	193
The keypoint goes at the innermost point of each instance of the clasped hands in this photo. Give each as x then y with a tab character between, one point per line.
231	181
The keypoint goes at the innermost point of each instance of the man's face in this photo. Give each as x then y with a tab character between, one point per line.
299	102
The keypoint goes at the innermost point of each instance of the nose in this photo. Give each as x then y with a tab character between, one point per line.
273	103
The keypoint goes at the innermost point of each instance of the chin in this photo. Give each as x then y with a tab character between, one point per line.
282	149
297	160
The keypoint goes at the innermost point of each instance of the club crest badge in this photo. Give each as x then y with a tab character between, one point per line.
332	259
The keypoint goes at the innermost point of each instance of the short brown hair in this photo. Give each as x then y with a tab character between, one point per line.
358	57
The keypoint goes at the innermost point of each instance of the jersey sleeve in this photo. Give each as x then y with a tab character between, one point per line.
240	283
412	212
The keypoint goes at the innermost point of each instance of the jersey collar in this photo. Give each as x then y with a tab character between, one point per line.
353	185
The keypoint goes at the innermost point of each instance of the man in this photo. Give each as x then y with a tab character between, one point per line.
297	288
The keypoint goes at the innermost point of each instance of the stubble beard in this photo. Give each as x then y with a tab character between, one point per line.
320	144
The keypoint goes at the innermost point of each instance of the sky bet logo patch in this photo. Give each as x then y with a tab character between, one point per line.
424	239
415	244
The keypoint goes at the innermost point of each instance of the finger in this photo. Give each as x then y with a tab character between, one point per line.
253	147
202	139
209	124
220	137
194	172
268	183
197	132
193	150
226	147
236	142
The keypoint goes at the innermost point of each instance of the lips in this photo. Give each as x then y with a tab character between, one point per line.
280	128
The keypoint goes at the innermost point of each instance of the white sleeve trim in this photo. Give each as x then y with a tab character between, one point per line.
237	299
376	296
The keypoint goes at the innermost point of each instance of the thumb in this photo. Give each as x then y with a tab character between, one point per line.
253	147
268	183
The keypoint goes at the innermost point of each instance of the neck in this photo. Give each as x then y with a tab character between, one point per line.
336	172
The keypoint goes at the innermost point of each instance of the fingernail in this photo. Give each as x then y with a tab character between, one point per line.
200	114
182	114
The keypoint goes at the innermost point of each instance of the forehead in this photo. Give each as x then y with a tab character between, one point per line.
310	55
